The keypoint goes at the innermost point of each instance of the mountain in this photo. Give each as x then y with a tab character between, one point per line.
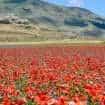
49	21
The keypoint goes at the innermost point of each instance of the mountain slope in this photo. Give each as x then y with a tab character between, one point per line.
71	22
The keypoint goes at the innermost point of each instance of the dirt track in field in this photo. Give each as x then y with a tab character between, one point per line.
50	43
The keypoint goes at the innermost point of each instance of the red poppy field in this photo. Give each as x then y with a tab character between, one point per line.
60	75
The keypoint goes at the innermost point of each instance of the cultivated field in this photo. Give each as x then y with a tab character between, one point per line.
34	33
52	74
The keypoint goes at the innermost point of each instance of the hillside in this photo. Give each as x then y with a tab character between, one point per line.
39	20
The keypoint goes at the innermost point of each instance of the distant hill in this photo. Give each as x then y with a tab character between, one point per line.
50	21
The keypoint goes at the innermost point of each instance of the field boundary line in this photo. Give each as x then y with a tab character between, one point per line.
54	42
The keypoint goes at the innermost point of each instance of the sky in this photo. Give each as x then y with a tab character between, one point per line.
96	6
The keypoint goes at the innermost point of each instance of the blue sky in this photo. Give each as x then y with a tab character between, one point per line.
97	6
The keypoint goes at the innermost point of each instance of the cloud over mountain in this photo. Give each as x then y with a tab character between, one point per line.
76	3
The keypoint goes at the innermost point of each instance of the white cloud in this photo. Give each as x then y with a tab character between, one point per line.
77	3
